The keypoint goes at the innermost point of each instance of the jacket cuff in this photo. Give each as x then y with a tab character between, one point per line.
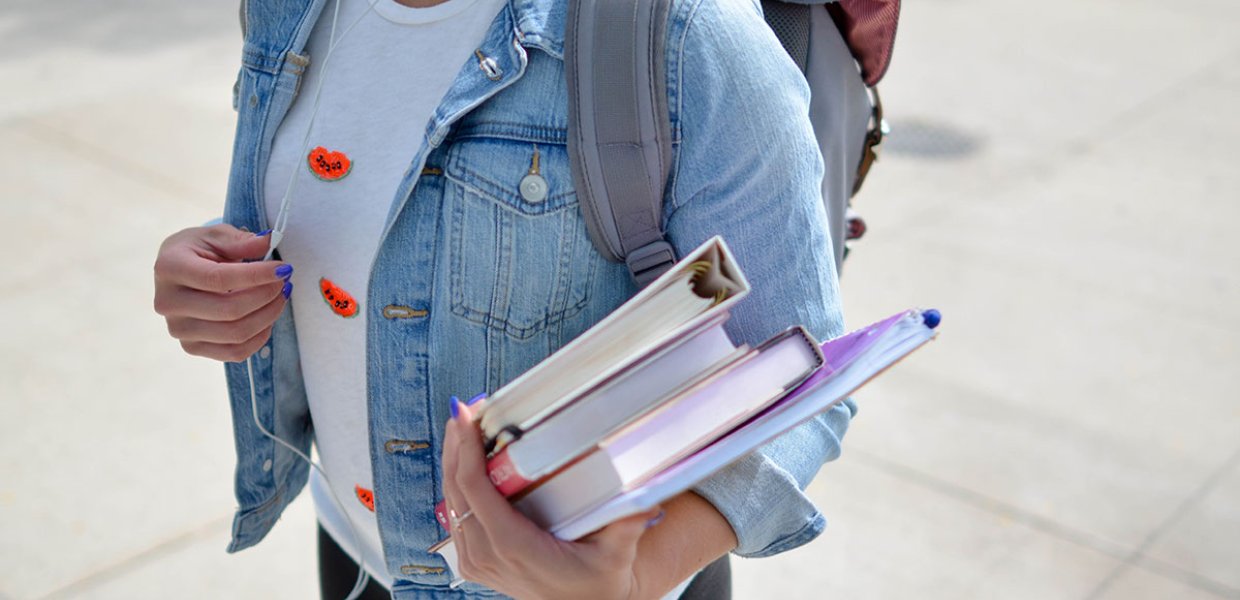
762	494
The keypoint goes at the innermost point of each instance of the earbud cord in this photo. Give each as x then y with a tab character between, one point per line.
277	234
286	201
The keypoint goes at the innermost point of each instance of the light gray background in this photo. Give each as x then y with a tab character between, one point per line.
1062	182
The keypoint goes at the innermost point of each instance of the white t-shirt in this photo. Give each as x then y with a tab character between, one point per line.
384	80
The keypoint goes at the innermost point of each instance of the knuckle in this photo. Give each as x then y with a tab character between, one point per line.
218	231
229	309
161	268
200	349
235	353
237	332
257	341
213	277
256	344
270	313
161	304
177	328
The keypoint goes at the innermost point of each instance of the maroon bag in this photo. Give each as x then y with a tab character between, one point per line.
869	29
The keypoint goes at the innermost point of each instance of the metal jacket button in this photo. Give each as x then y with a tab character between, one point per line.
534	188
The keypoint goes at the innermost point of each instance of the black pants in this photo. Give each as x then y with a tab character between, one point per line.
337	572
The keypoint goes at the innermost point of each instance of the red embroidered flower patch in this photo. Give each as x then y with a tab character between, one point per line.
340	301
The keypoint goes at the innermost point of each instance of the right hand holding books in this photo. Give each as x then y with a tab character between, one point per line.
499	547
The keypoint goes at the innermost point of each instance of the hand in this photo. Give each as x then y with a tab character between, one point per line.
502	549
216	305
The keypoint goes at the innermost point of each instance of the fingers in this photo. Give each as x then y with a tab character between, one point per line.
216	307
204	259
238	331
497	538
228	352
499	547
500	519
180	301
473	544
618	540
233	244
204	274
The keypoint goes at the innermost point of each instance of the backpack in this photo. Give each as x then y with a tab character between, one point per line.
619	130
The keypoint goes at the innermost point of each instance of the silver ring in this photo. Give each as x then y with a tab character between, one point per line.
458	519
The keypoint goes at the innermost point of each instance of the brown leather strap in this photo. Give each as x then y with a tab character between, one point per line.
873	139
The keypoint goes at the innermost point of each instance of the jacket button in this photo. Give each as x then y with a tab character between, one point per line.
266	465
533	188
265	353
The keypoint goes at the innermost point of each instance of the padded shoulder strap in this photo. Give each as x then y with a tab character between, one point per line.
619	132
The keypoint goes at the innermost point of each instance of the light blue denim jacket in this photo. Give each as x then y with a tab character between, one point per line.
473	284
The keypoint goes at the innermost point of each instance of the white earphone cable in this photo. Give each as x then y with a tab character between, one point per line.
277	234
286	201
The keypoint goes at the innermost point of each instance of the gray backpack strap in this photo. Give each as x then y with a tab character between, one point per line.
619	138
790	22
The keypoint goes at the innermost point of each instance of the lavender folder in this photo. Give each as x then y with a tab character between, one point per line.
851	361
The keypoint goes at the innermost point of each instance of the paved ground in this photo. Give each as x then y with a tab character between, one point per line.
1062	184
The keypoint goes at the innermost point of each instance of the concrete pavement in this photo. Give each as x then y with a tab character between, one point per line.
1065	190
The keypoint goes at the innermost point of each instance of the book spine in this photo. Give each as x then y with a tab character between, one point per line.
441	515
504	475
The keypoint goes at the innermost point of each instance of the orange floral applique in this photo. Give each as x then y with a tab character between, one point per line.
365	496
340	301
329	165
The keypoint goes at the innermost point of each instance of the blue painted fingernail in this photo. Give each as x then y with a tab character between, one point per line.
475	399
656	520
262	233
288	289
454	406
931	318
284	270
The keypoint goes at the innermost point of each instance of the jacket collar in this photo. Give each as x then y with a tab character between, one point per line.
540	24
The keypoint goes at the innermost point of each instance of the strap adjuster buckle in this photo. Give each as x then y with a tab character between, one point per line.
650	261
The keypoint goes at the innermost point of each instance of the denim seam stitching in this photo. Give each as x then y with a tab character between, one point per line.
520	132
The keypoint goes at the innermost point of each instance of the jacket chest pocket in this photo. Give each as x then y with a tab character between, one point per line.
521	259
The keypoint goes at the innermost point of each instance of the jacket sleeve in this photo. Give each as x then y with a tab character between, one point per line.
748	168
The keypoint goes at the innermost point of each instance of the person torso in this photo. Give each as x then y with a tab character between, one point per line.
338	157
471	283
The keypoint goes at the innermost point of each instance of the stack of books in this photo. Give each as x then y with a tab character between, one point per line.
656	397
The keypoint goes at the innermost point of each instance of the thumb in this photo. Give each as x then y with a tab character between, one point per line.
622	535
230	243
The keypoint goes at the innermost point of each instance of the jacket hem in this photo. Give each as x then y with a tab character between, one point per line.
252	525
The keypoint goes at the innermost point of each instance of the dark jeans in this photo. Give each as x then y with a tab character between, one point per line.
337	572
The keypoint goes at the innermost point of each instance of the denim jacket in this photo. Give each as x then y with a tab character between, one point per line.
473	284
